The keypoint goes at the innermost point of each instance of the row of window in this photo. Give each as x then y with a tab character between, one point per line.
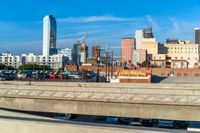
183	48
176	58
186	52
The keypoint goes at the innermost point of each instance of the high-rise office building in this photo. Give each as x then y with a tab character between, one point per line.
96	51
127	47
197	35
49	35
172	41
75	53
79	53
83	53
139	36
148	33
67	52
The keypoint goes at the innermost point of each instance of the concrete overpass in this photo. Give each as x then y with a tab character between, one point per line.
15	122
158	101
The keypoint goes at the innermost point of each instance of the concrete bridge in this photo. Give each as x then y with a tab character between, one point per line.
27	123
158	101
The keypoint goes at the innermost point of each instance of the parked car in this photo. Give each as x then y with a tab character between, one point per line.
125	121
166	123
136	122
63	76
193	126
63	116
52	76
37	75
2	77
112	120
147	122
9	76
75	75
24	74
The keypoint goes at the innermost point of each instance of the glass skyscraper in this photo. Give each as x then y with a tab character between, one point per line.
49	35
197	35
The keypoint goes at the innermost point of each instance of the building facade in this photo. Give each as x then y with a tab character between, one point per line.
55	62
10	60
83	53
75	53
148	33
139	56
159	60
183	55
49	35
96	51
151	46
79	53
197	35
139	36
127	47
67	52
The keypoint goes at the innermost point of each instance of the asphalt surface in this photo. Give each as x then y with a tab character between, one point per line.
11	115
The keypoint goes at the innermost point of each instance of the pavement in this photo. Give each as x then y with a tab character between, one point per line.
27	123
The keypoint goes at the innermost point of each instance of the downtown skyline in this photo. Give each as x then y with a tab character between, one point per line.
21	25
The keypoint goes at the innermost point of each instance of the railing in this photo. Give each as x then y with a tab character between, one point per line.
176	99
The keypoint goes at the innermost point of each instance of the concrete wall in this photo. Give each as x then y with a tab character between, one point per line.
160	101
178	72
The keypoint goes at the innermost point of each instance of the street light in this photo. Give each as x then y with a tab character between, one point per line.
98	62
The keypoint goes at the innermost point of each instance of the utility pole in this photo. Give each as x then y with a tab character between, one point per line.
106	66
7	60
98	62
112	65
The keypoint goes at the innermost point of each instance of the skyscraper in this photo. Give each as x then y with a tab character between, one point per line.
49	35
83	53
75	53
197	35
139	36
148	33
96	51
127	47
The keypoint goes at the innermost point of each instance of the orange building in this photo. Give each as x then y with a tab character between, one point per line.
127	47
133	76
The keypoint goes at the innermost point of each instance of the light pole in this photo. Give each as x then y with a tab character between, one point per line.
112	65
98	62
7	60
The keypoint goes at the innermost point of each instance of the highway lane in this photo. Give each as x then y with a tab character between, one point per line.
23	117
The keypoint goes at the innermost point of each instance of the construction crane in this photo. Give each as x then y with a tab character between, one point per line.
83	39
113	47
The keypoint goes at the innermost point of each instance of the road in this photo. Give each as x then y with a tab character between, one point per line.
29	121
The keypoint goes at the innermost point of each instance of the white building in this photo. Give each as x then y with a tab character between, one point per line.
10	60
139	36
67	52
49	35
55	61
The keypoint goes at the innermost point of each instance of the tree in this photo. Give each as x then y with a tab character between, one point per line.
33	67
144	64
4	67
154	66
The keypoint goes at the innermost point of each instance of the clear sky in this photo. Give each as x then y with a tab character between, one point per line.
104	21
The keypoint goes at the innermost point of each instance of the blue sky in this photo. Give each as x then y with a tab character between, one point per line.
104	21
